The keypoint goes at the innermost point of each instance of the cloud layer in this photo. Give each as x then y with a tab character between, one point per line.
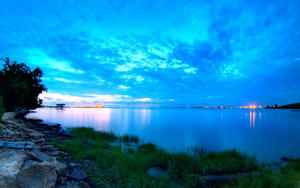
175	52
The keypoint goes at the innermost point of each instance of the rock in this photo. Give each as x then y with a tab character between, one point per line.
46	147
39	156
29	163
40	140
55	153
157	172
222	178
78	174
64	153
10	164
36	135
8	115
41	175
83	184
285	159
16	145
8	182
72	184
60	167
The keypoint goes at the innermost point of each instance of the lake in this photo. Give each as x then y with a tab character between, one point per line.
268	134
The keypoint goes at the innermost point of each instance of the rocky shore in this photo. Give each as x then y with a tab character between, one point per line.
29	160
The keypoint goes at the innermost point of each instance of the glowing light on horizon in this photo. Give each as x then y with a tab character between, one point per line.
89	106
252	106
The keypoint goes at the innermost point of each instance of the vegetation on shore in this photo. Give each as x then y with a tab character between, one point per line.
1	107
124	161
291	106
20	87
125	164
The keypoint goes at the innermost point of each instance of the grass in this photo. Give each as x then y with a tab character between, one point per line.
273	179
119	167
285	177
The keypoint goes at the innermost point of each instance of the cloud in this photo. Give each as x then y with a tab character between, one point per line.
52	98
67	81
123	87
186	51
41	59
143	100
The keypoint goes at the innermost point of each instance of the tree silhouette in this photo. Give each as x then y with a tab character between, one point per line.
19	86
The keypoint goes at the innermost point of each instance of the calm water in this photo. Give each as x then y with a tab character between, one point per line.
267	134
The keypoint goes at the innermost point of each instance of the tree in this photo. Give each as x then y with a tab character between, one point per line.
19	86
1	106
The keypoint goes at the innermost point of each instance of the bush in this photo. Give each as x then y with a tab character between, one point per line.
1	107
20	87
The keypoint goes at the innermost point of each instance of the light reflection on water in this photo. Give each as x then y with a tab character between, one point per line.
268	134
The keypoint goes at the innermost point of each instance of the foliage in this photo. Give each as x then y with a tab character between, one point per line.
291	106
1	107
130	138
119	167
20	86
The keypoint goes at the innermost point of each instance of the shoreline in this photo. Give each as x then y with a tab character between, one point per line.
50	139
50	166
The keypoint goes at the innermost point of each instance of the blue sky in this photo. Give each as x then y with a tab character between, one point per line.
168	53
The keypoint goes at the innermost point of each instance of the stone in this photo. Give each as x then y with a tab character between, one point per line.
8	182
39	156
157	172
10	164
41	175
55	153
72	184
64	153
60	167
83	184
7	116
46	147
29	163
36	135
40	140
222	178
16	145
78	174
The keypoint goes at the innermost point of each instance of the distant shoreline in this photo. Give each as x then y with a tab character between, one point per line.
156	107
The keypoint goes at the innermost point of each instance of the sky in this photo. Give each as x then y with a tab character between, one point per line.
158	52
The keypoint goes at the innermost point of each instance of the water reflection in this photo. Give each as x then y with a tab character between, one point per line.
214	129
252	118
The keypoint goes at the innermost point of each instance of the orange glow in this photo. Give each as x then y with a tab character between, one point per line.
252	117
90	106
252	106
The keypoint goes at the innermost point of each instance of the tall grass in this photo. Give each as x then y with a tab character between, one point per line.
118	168
273	179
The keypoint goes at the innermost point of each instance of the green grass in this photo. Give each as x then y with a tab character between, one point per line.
119	164
286	177
130	138
273	179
